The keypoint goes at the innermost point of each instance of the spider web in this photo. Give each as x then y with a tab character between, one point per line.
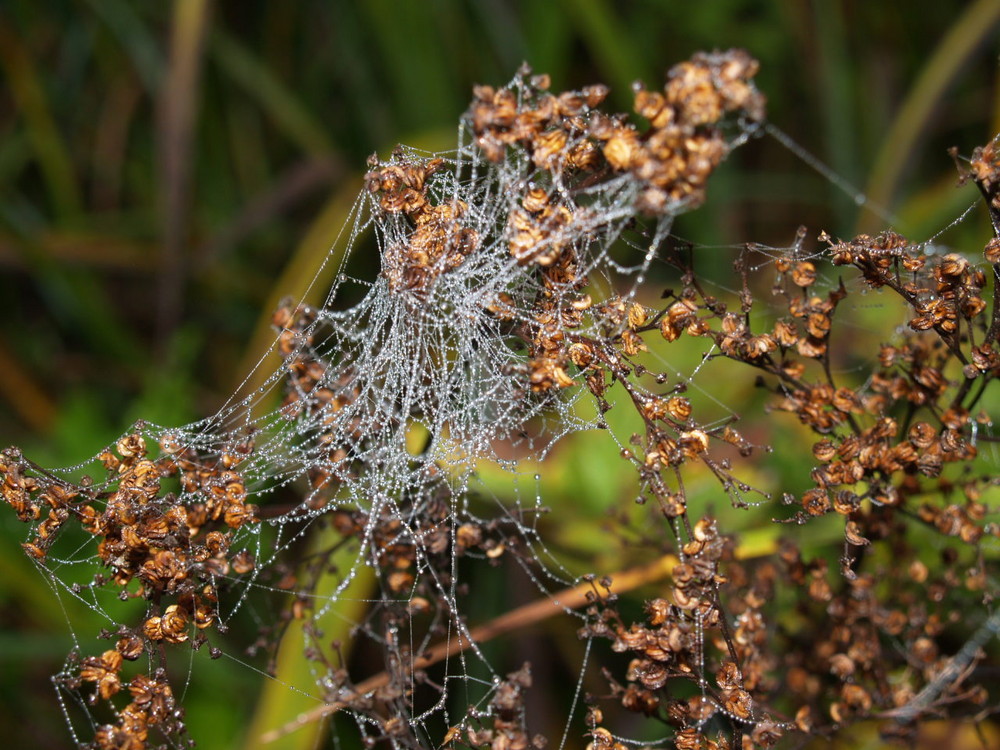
392	411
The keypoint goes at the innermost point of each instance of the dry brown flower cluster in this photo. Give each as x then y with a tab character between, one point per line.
144	533
175	552
568	137
507	729
877	629
437	243
398	554
671	159
732	652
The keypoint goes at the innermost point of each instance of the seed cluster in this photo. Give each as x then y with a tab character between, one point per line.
671	159
883	448
174	550
506	728
437	242
153	706
670	647
400	553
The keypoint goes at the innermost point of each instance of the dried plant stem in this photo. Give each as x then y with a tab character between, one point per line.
535	612
529	614
950	674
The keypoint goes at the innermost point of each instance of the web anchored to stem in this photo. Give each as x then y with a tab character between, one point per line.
513	285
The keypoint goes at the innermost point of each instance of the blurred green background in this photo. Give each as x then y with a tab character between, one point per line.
170	170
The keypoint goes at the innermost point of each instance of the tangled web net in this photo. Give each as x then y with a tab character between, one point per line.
509	271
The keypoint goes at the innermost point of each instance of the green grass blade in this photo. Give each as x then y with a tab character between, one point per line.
50	149
421	75
608	42
133	34
280	103
837	74
293	689
963	40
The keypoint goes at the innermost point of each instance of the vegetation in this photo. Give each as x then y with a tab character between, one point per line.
158	162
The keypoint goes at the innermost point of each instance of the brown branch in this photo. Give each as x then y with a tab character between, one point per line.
529	614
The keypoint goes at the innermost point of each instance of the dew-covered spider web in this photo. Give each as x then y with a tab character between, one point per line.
367	503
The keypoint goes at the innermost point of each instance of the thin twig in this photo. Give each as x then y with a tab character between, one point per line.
530	614
949	673
537	611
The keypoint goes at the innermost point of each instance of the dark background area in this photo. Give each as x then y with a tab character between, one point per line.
170	170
